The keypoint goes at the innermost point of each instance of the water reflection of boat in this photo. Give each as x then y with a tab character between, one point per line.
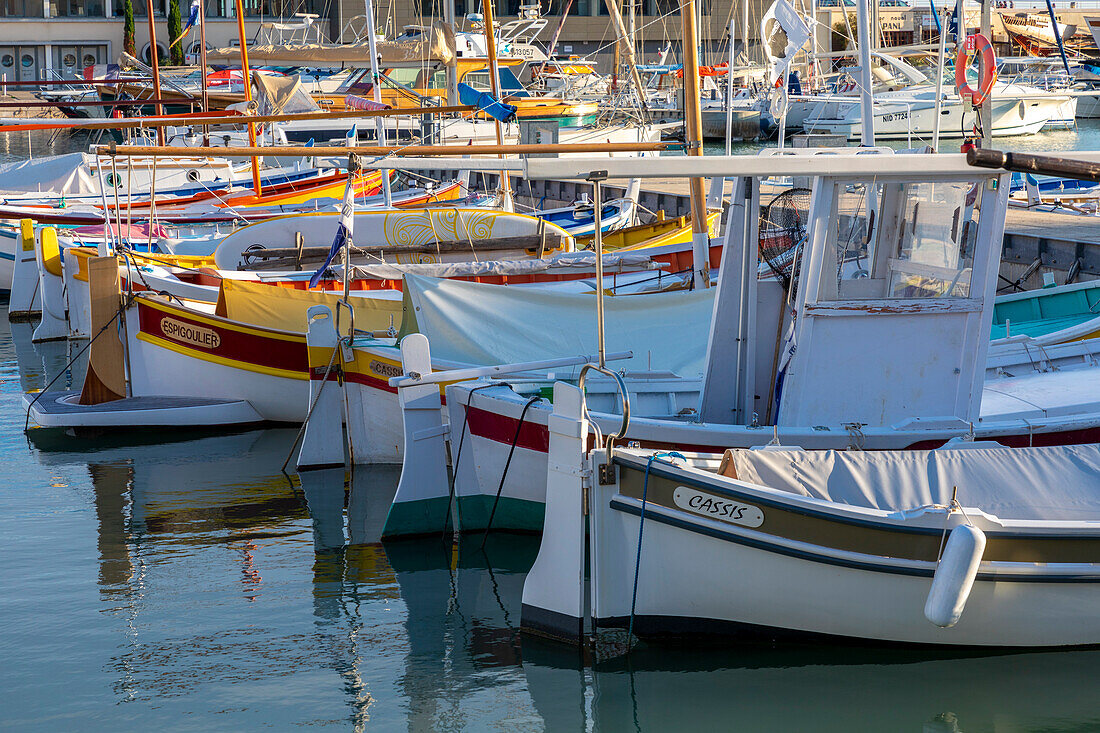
670	688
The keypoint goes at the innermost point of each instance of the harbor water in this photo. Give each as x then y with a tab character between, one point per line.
178	581
183	582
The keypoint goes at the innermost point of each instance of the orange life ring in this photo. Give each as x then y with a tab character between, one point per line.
988	74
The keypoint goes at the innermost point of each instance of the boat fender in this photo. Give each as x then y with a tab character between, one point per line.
955	575
987	75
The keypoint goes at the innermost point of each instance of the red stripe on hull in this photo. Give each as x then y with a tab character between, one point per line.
502	429
532	436
250	348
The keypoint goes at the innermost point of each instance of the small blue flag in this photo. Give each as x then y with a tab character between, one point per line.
196	5
486	103
343	231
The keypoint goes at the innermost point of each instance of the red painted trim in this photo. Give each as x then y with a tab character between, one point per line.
249	348
502	429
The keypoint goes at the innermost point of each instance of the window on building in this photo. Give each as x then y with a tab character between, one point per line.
20	8
140	7
665	7
77	9
274	9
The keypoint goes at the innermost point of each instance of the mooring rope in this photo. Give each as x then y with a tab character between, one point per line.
458	453
638	556
316	398
122	308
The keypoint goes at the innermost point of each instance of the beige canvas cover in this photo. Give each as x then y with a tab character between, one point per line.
278	95
271	306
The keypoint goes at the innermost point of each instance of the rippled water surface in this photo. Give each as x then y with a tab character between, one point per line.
177	582
181	582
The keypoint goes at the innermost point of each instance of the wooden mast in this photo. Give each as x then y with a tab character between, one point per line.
248	97
154	63
693	137
494	85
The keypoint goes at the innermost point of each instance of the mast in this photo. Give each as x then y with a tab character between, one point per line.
729	92
451	71
154	63
866	100
368	7
494	85
625	45
202	67
693	122
1058	35
939	80
247	79
986	111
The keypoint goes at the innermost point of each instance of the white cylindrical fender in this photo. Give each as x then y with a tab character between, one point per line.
955	575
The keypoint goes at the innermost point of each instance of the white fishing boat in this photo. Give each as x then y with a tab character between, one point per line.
1009	397
958	541
909	114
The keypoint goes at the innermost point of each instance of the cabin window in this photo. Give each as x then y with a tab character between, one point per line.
929	259
900	240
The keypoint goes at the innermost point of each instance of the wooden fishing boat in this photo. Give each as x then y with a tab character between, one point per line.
1048	316
993	531
987	547
1014	395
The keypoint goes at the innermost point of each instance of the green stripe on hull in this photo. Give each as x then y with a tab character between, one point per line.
511	514
424	516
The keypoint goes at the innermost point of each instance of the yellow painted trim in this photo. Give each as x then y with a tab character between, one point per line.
51	253
220	360
81	255
26	230
226	323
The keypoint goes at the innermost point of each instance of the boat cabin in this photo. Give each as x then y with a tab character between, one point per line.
881	309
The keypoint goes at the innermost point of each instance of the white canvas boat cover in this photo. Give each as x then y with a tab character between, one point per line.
1053	483
565	262
57	174
474	323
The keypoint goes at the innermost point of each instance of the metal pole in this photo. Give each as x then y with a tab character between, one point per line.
986	111
247	79
745	27
596	177
729	92
693	137
866	100
939	82
202	67
451	71
494	85
154	63
1057	35
368	6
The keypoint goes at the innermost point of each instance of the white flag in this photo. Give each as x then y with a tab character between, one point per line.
783	34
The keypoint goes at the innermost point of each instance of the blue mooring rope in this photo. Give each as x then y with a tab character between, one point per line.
641	527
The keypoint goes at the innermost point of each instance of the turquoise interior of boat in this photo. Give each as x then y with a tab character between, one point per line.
1041	312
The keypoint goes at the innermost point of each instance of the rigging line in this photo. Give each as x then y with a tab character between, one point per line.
458	453
507	464
324	380
122	308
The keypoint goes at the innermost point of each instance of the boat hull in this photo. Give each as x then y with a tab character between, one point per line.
777	586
